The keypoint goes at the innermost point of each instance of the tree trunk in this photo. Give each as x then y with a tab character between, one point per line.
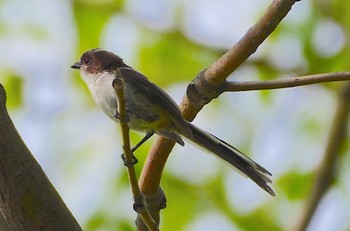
28	201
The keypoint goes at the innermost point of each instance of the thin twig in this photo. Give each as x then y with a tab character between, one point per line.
287	82
250	42
328	169
139	202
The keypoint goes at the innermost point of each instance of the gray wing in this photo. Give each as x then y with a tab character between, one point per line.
157	96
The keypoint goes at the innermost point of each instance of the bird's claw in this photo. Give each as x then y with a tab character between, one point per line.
127	163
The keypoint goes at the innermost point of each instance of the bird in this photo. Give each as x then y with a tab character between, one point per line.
151	110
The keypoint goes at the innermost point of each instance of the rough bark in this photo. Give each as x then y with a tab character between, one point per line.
3	225
28	200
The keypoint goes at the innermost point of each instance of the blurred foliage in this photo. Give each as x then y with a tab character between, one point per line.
168	56
296	185
261	221
91	17
14	88
103	221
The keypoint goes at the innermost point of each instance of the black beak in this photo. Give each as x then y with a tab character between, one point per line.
76	65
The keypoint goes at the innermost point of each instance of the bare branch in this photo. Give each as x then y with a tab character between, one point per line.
129	161
211	80
249	43
287	82
208	85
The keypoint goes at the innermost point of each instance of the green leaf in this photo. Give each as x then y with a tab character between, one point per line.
103	221
182	205
14	89
169	57
258	220
296	185
91	17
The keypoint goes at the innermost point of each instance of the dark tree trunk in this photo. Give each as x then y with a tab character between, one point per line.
28	201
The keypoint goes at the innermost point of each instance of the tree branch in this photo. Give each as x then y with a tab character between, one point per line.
208	85
328	169
286	82
129	161
249	43
28	201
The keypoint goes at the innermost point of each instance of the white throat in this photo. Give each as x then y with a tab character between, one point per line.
100	86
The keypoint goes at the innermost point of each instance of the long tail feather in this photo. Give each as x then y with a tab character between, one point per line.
243	164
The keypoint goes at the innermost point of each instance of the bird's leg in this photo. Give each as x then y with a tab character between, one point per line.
134	160
144	139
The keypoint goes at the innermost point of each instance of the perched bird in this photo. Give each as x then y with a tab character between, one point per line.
152	110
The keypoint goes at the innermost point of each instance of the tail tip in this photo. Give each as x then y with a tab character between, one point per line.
269	190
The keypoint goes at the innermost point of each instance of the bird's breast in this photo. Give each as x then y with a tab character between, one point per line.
104	95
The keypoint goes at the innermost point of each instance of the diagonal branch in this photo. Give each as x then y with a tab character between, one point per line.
211	78
250	42
208	85
287	82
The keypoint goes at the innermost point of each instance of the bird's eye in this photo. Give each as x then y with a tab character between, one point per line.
86	60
